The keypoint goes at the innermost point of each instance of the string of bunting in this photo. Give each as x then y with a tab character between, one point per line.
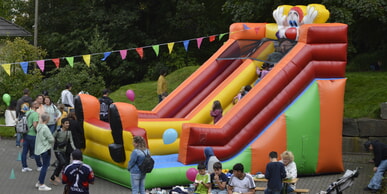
140	51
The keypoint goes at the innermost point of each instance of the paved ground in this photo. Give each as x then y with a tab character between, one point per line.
25	182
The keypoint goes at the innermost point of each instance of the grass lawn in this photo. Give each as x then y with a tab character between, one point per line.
365	91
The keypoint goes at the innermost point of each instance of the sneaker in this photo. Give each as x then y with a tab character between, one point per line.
39	169
26	169
44	188
37	184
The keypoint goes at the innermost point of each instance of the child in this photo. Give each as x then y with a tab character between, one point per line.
216	111
275	172
202	180
218	180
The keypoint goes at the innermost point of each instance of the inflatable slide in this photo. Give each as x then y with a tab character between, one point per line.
298	106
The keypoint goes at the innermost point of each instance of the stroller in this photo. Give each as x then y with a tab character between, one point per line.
342	183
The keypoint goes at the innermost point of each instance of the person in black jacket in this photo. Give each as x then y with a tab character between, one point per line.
104	102
380	160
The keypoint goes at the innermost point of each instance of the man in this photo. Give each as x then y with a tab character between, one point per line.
275	172
29	139
380	160
162	85
240	182
22	106
67	97
105	102
77	176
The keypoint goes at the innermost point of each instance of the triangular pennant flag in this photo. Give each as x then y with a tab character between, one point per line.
86	58
18	157
56	61
199	42
140	52
221	35
7	68
24	66
245	27
41	65
170	47
123	54
12	176
212	38
70	60
186	43
105	55
156	48
256	30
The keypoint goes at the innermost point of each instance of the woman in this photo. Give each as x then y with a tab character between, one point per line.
290	168
53	112
136	158
63	138
43	144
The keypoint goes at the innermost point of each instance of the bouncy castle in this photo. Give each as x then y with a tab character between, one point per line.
297	106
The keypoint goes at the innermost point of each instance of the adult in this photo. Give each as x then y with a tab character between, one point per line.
40	99
240	182
137	178
76	130
67	97
63	138
53	112
30	138
78	176
44	142
10	115
23	105
210	159
162	85
380	160
287	158
105	101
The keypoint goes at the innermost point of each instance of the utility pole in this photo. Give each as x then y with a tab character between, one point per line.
36	23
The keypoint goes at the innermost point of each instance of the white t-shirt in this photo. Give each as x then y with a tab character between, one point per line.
10	117
67	98
242	186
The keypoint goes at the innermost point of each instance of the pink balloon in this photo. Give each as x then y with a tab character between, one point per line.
191	174
130	95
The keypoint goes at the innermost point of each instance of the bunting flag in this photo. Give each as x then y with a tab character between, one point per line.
56	61
221	36
24	66
170	47
256	30
86	58
70	60
7	68
212	38
246	27
140	52
105	55
199	42
40	65
123	54
156	48
186	43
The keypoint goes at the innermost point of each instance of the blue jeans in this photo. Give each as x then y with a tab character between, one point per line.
218	191
269	191
138	183
19	137
29	145
376	180
52	128
46	163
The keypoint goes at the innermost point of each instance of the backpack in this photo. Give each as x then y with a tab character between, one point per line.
22	124
24	107
147	165
104	111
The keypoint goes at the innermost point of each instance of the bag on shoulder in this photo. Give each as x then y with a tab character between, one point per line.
22	124
147	165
